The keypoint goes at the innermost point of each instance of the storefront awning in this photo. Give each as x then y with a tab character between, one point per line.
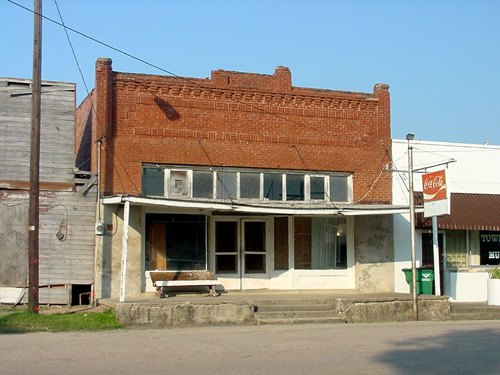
274	208
470	212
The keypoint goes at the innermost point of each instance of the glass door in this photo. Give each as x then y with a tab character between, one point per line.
240	251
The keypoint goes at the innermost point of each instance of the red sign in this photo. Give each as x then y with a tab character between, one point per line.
434	186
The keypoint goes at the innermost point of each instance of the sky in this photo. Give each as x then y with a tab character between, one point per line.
441	58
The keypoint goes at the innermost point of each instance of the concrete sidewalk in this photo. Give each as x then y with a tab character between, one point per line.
276	307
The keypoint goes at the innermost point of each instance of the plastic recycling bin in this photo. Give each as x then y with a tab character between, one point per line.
425	280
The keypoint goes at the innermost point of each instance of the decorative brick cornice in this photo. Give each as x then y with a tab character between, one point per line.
199	93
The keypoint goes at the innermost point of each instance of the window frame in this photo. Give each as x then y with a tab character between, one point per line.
308	177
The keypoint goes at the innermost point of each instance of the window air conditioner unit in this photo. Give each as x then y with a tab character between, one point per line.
100	228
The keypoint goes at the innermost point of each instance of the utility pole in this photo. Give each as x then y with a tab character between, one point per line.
33	229
410	137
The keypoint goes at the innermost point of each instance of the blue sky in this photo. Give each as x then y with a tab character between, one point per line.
440	58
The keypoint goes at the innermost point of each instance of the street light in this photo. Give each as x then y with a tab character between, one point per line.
411	137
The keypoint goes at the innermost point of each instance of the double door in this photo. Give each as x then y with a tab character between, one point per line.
240	251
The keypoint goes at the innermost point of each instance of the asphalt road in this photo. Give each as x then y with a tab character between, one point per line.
390	348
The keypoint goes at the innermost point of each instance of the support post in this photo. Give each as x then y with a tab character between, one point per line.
409	137
435	253
123	276
34	198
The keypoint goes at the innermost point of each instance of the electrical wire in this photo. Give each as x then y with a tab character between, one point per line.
92	105
107	45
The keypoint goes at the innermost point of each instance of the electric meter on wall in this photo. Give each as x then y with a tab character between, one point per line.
100	228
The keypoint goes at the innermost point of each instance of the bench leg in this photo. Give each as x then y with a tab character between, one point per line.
212	292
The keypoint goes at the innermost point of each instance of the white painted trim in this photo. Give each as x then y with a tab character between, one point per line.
291	209
123	275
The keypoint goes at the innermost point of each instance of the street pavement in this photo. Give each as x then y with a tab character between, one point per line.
466	347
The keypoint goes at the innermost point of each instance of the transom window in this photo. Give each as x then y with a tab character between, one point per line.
245	184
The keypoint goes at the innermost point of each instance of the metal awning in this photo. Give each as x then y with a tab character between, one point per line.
275	208
470	212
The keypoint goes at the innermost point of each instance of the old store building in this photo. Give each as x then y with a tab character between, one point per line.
263	183
67	198
469	237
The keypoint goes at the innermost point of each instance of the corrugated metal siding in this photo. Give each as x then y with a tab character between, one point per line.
57	130
470	212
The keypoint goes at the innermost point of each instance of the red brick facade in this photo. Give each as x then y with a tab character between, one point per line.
237	120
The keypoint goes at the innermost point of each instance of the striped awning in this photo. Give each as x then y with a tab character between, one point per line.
470	212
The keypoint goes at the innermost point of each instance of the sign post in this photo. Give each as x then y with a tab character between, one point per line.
436	203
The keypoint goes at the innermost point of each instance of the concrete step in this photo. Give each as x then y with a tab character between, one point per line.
474	311
302	307
296	314
475	315
298	301
304	320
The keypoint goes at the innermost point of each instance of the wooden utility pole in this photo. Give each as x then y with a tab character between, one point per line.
33	230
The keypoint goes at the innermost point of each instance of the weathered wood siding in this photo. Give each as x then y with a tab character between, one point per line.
66	261
57	131
67	213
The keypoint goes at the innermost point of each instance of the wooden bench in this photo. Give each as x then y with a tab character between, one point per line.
166	279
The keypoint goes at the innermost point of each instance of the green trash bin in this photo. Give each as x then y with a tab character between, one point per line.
425	280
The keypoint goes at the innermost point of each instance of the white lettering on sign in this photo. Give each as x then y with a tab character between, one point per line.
490	237
432	183
494	255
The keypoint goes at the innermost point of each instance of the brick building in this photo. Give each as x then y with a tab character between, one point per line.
265	184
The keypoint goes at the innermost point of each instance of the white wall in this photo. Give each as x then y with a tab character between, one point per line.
476	170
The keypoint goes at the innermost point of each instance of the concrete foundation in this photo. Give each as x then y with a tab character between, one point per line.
202	311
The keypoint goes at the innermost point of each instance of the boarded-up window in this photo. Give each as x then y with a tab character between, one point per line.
302	239
281	243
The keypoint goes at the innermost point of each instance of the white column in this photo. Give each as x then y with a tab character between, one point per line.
123	275
435	253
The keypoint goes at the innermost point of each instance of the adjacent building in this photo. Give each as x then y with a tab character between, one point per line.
265	184
469	237
67	198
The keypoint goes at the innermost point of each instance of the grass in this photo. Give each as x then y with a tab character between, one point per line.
25	321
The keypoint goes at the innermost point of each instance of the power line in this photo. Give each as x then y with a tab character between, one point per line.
92	106
193	82
107	45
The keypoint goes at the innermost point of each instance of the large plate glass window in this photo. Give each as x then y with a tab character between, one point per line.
321	243
175	242
489	247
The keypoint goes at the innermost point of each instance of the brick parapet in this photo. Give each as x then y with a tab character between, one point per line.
242	120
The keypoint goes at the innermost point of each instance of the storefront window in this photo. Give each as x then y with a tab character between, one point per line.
175	242
320	243
456	249
489	247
